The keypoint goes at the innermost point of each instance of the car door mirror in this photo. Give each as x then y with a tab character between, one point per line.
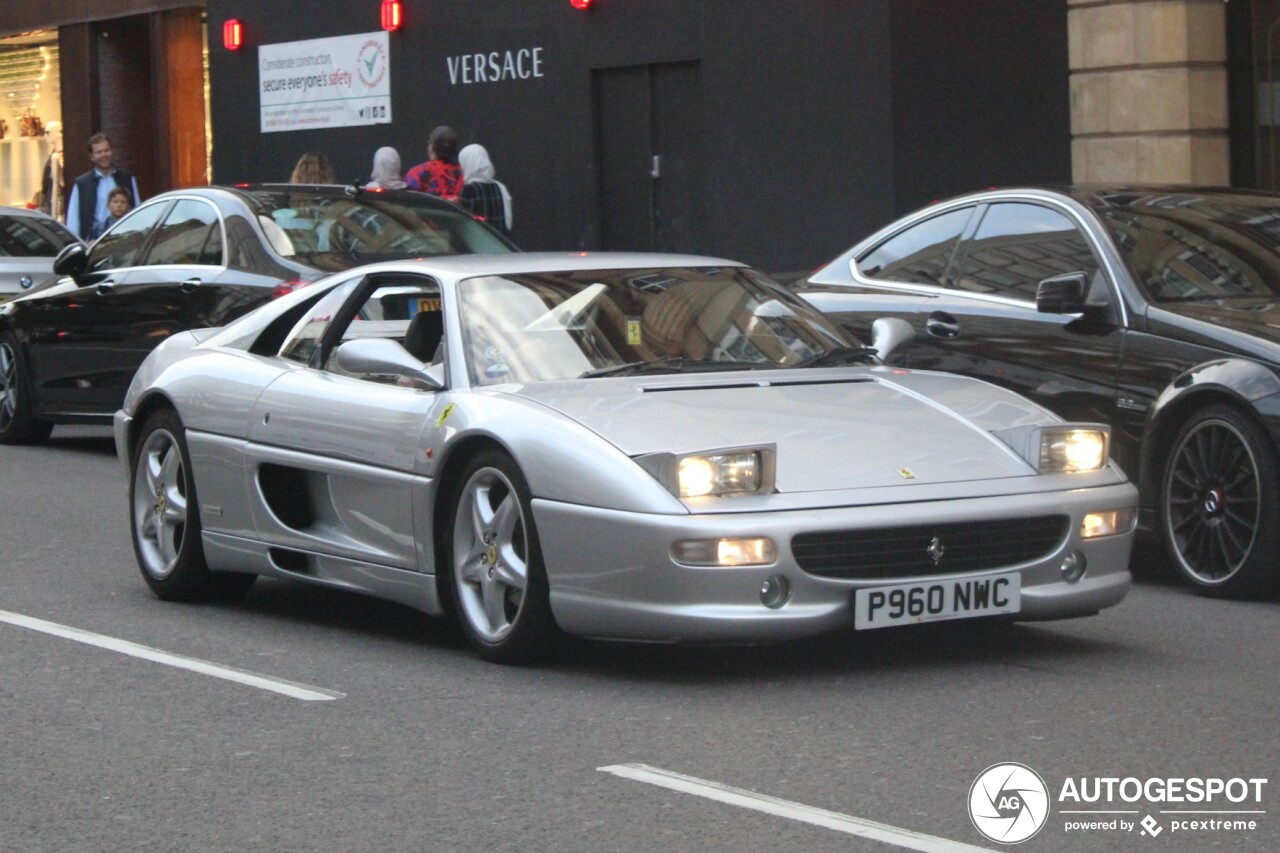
383	357
889	333
72	260
1062	294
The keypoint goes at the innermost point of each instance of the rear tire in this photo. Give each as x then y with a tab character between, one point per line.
164	518
499	584
1219	499
18	423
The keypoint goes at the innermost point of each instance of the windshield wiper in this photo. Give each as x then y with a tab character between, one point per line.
842	355
669	364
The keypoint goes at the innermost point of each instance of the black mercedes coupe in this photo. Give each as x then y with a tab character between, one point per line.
1153	310
190	259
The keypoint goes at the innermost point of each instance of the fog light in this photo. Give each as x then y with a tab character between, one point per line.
757	551
1107	523
1074	566
775	592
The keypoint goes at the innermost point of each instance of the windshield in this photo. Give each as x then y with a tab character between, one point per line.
1185	247
564	325
311	226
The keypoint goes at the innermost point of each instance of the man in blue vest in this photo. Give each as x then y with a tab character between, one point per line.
87	207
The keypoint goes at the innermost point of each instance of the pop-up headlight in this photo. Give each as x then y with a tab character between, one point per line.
1073	449
720	473
1060	448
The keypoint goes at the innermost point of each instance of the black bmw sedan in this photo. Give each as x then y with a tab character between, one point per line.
1156	311
190	259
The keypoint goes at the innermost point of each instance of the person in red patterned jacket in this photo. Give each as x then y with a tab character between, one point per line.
440	175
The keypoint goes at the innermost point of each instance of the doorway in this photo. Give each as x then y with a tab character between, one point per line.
649	160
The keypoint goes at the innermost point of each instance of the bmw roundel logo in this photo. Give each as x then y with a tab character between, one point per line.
1008	803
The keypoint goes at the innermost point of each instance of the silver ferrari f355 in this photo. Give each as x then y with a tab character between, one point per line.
628	446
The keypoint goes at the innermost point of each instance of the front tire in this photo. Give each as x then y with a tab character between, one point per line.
1219	497
500	589
18	424
165	518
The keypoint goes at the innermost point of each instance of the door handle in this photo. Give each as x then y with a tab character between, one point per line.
942	325
105	287
655	168
190	284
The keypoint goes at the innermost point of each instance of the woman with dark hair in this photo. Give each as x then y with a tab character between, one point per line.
440	174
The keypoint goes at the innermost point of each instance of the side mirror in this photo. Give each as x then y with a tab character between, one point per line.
889	333
72	260
1063	294
379	356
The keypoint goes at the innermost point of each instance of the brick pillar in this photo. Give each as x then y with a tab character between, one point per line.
1148	91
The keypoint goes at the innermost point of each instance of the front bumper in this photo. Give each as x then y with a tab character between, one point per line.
612	576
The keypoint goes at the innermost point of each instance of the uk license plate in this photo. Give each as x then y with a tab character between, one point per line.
934	601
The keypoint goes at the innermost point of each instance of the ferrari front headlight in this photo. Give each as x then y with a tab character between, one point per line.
1071	449
1060	448
720	473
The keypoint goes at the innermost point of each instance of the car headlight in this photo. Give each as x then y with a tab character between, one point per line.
1072	449
720	473
1060	448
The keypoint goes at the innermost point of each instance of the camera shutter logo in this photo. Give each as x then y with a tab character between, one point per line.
1008	803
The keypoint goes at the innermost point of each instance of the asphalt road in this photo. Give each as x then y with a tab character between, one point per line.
867	742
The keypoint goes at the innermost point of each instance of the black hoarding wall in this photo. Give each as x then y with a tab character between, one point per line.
785	149
774	123
980	96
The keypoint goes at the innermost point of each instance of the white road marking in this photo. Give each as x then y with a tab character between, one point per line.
240	676
792	811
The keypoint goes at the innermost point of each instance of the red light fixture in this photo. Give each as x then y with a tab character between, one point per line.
392	15
580	4
232	34
284	288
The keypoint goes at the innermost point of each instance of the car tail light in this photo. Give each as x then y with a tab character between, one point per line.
286	287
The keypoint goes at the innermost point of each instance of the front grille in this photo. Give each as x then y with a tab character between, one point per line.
902	552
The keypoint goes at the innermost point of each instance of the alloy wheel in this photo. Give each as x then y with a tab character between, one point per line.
490	554
8	386
160	503
1212	501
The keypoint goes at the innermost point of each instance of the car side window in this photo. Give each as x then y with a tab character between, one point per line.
920	254
1018	245
304	339
405	310
119	247
191	234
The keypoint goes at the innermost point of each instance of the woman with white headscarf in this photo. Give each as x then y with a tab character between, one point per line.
482	194
386	171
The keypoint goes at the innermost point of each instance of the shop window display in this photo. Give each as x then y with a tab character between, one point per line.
30	130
